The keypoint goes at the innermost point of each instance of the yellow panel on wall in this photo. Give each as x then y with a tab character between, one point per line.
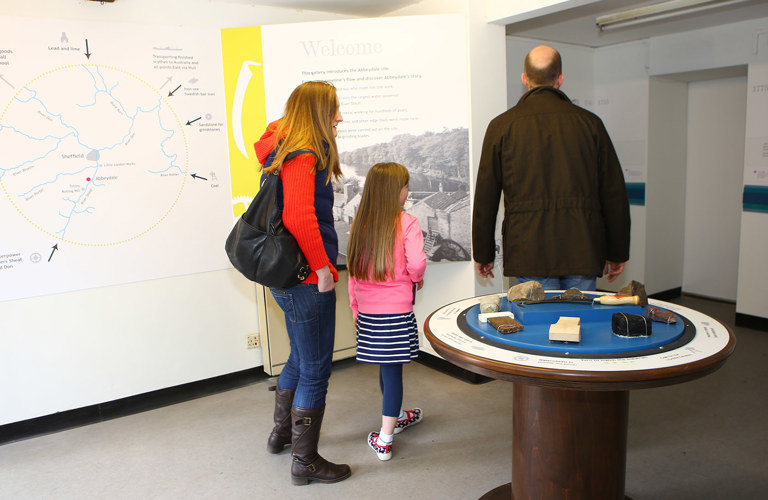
246	112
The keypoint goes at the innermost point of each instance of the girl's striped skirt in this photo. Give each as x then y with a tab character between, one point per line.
387	338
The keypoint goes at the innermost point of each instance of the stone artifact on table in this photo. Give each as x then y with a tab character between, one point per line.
632	288
530	290
490	303
572	295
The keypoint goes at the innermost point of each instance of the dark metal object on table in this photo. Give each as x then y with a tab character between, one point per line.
571	295
660	315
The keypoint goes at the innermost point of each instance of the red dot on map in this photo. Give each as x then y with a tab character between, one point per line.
88	179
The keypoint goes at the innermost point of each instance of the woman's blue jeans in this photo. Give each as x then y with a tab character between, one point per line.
310	318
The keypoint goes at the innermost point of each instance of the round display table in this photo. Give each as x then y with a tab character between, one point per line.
571	399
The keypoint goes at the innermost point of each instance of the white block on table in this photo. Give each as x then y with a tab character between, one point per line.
567	329
483	317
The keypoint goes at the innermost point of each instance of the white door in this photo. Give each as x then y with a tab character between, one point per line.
714	184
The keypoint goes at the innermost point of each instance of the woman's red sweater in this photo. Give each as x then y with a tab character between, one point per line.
299	216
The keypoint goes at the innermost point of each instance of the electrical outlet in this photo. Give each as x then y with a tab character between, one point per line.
252	340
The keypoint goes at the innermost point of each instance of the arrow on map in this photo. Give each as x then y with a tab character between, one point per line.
195	176
6	81
190	122
174	90
87	54
55	247
167	81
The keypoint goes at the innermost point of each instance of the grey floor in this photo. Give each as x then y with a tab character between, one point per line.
705	439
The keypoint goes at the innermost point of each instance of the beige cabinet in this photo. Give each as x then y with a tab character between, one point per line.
274	337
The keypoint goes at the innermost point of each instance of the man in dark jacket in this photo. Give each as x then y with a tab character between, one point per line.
566	212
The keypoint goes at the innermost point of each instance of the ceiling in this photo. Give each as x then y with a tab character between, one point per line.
577	26
572	26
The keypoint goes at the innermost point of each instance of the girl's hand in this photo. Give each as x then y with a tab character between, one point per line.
419	285
325	281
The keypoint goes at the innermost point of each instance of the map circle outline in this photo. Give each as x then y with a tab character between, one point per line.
178	127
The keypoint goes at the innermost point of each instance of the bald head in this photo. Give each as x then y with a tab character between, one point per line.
543	67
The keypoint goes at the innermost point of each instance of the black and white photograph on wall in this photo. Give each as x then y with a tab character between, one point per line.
438	164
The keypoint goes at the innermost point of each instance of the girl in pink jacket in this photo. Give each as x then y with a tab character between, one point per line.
386	263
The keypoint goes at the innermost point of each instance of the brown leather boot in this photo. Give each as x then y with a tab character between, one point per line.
281	434
307	464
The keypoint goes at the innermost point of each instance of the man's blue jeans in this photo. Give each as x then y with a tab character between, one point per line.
310	318
579	282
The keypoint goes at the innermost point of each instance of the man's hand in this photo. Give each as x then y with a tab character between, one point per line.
613	270
484	270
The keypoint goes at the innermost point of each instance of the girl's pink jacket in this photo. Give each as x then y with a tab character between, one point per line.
394	296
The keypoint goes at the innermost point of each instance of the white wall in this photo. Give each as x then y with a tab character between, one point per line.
665	186
67	351
753	273
722	47
621	98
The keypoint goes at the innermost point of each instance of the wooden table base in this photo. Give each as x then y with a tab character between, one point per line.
569	444
569	437
504	492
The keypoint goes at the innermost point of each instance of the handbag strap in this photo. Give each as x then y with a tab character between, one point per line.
289	156
294	154
268	162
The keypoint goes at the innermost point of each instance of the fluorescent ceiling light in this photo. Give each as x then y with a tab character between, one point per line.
657	12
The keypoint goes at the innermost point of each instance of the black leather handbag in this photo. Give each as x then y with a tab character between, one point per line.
260	246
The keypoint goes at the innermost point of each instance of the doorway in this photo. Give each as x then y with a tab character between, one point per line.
714	184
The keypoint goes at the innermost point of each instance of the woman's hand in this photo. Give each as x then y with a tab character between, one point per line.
325	281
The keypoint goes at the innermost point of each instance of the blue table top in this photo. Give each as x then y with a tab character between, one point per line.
597	336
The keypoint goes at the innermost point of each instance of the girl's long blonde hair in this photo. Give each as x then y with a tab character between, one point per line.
376	226
308	122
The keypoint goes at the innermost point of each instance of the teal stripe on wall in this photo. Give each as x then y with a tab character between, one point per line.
636	193
755	199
